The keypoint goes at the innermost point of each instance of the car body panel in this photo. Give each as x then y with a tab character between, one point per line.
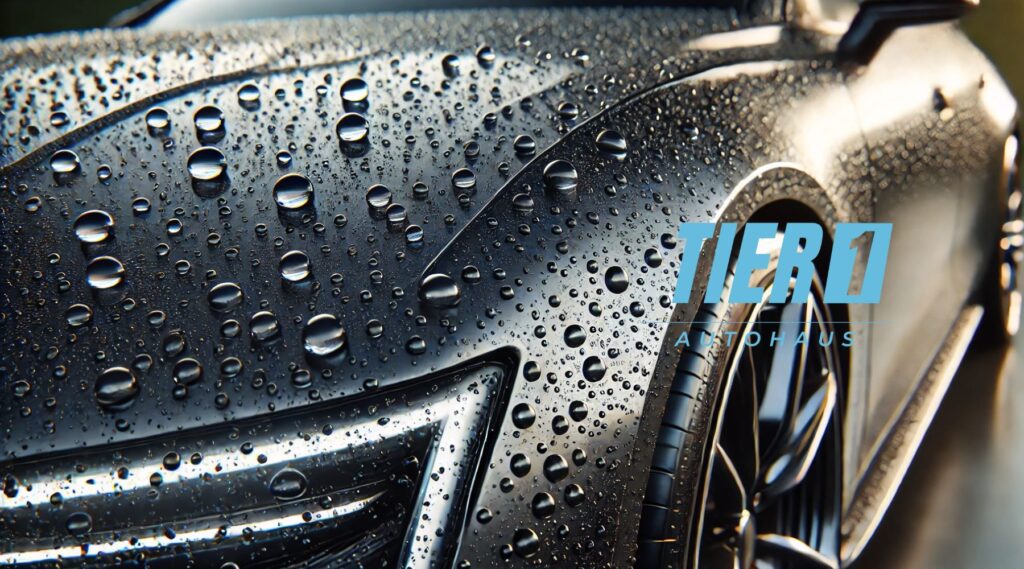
712	133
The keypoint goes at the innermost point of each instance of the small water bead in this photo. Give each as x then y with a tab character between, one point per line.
206	163
64	162
225	296
284	158
293	191
568	111
294	266
352	128
264	326
420	190
560	176
104	273
59	119
209	121
78	315
522	202
611	143
116	389
440	290
93	226
323	335
354	92
103	173
396	214
174	226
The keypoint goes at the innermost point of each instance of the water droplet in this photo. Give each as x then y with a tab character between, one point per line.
616	280
543	505
611	143
463	179
206	163
555	468
64	162
293	191
575	336
450	64
104	273
352	128
78	524
354	93
485	55
249	96
288	484
264	327
524	145
116	389
323	335
294	266
158	120
93	226
560	176
284	158
78	315
414	234
523	416
209	122
225	296
440	290
520	465
525	543
378	196
593	368
187	371
574	495
103	173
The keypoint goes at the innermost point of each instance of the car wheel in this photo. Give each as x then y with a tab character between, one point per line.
747	467
1002	289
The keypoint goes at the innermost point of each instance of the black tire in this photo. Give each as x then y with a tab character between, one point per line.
682	458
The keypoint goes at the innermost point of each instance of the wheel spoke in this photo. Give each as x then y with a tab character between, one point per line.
721	556
787	369
740	430
803	441
794	550
727	488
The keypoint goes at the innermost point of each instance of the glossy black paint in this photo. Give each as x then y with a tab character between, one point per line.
718	122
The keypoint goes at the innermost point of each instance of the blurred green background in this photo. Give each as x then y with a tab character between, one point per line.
997	26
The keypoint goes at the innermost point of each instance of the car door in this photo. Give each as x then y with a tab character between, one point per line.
930	147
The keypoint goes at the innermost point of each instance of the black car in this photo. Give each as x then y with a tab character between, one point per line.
396	289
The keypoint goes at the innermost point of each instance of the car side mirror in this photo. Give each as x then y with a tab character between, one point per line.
876	19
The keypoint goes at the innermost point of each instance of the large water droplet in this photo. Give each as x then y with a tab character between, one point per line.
485	55
206	163
93	226
78	524
64	162
378	196
525	542
352	128
293	191
616	280
116	389
611	143
440	290
209	122
560	176
249	96
288	484
78	315
294	266
225	296
104	273
324	335
354	93
264	326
